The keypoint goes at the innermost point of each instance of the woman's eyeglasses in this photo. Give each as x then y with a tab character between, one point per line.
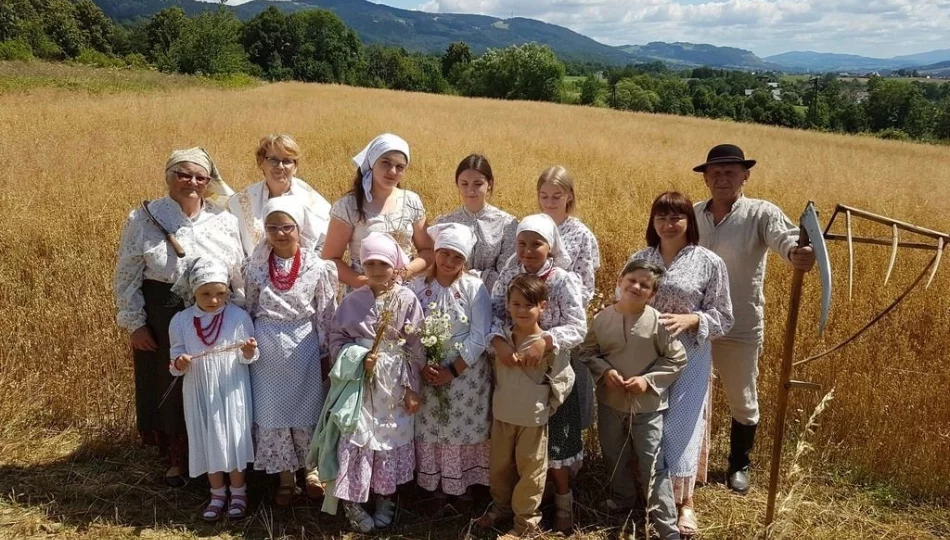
273	162
287	228
187	177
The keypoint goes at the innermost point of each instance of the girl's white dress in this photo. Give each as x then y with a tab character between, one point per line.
217	391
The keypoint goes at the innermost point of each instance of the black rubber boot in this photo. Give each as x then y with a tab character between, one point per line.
741	441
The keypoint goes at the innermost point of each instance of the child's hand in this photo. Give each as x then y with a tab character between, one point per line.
411	401
636	385
182	362
613	379
369	362
535	352
504	353
249	347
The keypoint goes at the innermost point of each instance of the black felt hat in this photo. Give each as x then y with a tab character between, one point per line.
725	153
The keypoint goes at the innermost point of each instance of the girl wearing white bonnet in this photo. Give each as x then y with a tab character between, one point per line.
377	203
211	343
146	269
539	250
453	426
291	295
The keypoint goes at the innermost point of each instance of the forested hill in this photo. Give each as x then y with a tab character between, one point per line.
419	31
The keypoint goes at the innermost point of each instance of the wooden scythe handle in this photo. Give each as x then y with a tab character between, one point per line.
788	353
180	251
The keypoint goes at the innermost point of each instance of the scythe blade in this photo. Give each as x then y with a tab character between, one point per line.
812	226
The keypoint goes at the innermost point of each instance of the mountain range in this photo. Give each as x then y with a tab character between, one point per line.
432	33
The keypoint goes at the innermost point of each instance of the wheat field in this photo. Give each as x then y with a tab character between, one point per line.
74	165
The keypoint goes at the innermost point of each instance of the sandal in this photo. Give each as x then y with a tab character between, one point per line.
177	480
284	495
687	523
213	511
237	508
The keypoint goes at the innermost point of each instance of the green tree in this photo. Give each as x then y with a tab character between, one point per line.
674	97
530	72
592	91
457	56
268	43
96	28
164	29
942	121
324	48
630	96
209	45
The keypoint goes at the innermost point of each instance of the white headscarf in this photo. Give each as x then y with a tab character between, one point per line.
293	207
366	159
543	225
454	236
288	205
201	271
219	190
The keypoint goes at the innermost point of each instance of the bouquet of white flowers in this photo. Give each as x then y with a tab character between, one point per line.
436	334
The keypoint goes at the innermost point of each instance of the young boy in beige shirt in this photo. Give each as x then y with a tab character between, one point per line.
525	396
634	361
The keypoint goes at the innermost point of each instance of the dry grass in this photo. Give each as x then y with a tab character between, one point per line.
75	164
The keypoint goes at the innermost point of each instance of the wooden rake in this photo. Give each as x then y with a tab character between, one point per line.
935	241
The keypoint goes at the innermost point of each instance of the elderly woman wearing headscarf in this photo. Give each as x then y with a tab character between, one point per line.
377	203
278	157
453	425
291	295
147	267
540	251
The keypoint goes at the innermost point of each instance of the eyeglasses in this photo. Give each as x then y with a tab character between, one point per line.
273	162
287	228
187	177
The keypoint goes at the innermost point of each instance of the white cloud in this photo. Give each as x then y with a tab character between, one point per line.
880	28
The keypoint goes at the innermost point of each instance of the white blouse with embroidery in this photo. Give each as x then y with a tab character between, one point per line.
248	206
398	223
145	254
313	294
581	245
565	318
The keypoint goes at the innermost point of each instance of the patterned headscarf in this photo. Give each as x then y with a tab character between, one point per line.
220	191
366	159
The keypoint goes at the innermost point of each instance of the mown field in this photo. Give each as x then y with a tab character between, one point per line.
77	158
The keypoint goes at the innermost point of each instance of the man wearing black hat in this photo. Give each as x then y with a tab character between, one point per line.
742	231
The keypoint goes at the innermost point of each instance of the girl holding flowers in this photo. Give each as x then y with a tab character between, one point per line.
454	422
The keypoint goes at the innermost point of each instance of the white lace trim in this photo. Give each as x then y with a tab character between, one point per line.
574	462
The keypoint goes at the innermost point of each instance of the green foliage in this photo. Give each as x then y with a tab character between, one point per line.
209	45
456	58
593	91
16	49
529	72
630	96
92	57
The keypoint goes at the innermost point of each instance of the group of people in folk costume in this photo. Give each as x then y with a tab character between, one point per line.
348	401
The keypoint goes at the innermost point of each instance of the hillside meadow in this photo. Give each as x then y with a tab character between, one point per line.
76	162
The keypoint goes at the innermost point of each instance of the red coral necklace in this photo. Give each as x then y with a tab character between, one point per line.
209	334
282	280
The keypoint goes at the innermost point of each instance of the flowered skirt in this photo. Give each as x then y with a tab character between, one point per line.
454	466
363	470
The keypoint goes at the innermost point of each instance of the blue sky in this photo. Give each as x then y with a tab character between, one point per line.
881	28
